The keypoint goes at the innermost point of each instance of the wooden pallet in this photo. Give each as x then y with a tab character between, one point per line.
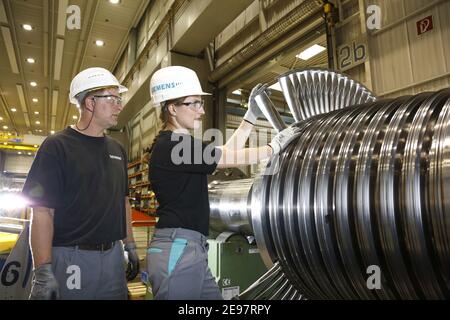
136	291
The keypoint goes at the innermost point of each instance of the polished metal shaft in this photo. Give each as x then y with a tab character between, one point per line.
361	189
358	207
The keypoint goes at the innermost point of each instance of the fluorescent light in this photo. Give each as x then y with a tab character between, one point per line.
13	109
61	26
35	100
99	43
21	94
276	86
238	92
58	58
27	27
114	1
31	60
54	102
33	84
38	122
36	112
10	49
310	52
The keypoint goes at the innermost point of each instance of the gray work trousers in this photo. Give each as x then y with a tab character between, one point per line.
90	275
177	266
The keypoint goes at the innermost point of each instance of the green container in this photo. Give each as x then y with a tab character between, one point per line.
234	263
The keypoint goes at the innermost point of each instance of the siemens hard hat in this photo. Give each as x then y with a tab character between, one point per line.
93	79
174	82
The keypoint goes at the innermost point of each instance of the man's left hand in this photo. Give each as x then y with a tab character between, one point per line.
133	261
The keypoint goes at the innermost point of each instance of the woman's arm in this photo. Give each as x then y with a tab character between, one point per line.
235	158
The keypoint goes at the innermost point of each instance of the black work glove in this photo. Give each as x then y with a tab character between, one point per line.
45	286
133	261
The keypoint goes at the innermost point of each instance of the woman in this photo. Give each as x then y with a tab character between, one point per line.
179	164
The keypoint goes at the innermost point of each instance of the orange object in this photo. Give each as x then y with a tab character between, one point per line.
139	219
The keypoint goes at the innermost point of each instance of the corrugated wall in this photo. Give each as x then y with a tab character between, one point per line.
404	62
144	127
400	61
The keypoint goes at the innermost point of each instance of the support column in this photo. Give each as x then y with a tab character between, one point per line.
132	46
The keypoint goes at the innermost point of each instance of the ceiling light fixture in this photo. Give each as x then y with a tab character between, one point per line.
35	145
38	122
1	118
114	1
99	43
52	132
13	109
27	27
74	117
310	52
36	112
31	60
33	84
238	92
35	100
5	127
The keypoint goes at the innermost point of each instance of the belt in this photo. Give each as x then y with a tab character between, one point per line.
96	247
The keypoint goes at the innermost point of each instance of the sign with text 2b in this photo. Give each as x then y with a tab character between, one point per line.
424	25
352	54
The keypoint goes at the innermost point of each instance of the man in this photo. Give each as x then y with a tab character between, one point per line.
78	190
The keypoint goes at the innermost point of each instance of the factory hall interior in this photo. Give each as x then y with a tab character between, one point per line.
224	150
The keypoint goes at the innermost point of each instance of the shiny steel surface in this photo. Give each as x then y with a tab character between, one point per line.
269	111
362	186
310	92
273	285
229	203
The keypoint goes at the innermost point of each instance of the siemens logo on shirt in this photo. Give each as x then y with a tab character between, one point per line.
115	157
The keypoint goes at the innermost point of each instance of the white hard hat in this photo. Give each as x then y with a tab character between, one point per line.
174	82
92	79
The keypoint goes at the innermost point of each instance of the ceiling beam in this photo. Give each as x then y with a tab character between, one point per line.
88	23
10	49
137	17
11	20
